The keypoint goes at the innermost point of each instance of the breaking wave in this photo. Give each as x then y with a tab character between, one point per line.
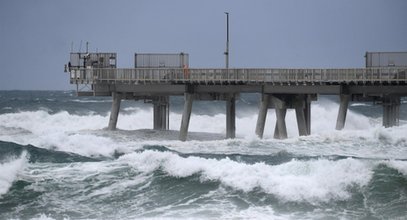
312	181
9	170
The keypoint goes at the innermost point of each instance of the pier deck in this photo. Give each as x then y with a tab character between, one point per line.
280	88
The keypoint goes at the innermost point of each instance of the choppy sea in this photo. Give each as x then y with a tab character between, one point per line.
58	161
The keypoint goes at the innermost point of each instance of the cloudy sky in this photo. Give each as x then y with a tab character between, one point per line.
37	36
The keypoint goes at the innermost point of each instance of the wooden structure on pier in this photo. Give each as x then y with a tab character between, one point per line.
281	89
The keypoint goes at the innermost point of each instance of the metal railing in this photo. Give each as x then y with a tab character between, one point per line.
241	75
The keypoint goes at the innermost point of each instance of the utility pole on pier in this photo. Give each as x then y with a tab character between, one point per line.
227	40
231	97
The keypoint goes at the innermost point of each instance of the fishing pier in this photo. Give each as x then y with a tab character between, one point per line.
157	77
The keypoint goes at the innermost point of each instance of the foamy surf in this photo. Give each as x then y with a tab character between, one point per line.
10	168
312	181
86	134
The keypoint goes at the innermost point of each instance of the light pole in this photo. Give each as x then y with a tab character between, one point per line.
227	40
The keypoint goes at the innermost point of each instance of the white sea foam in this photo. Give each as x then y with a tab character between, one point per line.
70	132
312	181
259	213
10	170
400	166
360	104
90	101
43	217
60	130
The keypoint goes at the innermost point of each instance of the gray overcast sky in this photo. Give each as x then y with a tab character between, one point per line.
36	36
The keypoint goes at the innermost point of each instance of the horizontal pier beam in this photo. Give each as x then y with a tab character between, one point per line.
152	89
302	89
179	89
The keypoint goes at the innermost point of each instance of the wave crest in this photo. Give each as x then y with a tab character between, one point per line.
312	181
9	171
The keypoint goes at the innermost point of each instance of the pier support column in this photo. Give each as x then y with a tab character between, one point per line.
161	113
391	111
307	113
261	118
299	106
343	108
114	114
280	132
186	115
281	109
231	116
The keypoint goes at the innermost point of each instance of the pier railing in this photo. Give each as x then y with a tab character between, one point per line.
241	75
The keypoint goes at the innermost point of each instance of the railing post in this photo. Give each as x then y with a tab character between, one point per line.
296	77
279	71
313	75
264	75
144	77
397	77
346	76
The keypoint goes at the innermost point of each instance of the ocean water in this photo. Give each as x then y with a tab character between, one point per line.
58	161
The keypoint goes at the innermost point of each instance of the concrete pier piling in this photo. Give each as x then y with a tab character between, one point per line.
231	116
281	109
229	98
301	104
186	115
307	113
343	109
161	113
302	123
114	114
391	111
280	131
261	119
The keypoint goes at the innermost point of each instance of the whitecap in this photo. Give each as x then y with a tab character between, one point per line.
10	170
42	217
360	104
312	181
90	101
400	166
